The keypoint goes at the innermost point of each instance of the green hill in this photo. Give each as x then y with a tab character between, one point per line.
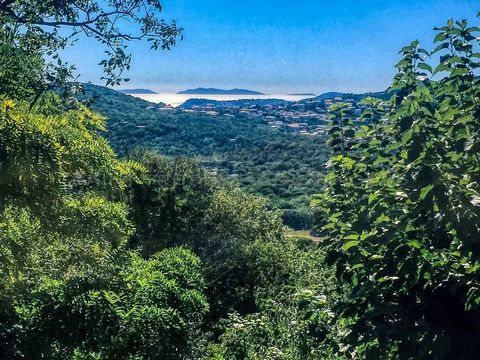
287	168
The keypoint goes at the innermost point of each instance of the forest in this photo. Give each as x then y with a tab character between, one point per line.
109	251
285	168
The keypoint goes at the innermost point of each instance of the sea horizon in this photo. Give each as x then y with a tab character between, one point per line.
176	100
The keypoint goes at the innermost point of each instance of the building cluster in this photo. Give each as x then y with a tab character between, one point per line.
308	117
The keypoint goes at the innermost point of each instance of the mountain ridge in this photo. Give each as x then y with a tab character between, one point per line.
137	91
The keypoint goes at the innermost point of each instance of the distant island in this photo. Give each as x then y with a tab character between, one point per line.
137	91
303	94
211	91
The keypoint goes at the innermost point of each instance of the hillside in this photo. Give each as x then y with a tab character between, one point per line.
356	97
286	168
112	98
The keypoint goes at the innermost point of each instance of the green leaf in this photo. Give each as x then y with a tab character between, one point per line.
460	71
426	67
440	47
461	134
330	177
357	266
347	246
425	191
415	244
473	268
382	219
440	68
440	37
373	197
393	146
410	228
403	64
388	278
407	136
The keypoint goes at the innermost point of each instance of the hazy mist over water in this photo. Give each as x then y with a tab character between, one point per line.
178	99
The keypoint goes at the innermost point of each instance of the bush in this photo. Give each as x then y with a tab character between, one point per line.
298	219
145	309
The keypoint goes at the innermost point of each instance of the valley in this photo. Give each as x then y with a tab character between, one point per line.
273	148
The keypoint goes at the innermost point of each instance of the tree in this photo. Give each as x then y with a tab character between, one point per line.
401	209
33	31
294	315
178	203
71	288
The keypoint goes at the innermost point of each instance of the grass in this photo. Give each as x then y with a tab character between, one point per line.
301	234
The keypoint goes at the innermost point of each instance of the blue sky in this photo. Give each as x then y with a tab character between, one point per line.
280	46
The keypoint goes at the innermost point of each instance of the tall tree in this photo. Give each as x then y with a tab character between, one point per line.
401	209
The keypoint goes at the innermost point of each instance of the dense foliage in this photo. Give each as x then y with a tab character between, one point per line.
179	204
401	208
70	286
156	258
71	215
294	319
74	285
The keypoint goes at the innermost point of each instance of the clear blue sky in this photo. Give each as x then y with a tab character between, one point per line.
280	46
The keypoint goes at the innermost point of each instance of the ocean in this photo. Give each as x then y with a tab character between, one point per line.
178	99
